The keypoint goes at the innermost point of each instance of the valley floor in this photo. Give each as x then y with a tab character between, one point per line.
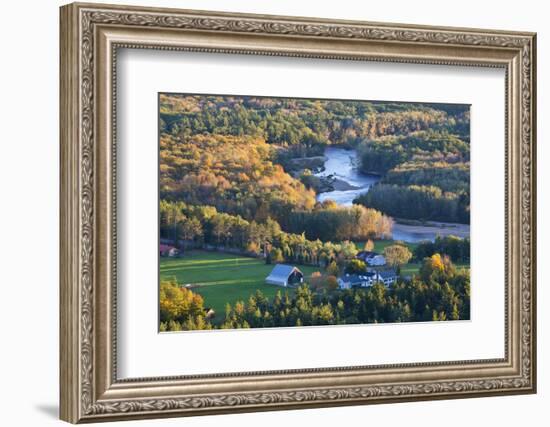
222	278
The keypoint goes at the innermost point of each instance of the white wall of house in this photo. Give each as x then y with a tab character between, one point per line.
343	285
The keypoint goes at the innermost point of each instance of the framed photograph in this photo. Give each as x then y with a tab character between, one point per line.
266	212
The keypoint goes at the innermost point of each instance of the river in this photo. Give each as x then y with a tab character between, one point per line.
342	164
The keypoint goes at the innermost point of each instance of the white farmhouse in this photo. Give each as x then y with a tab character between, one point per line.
349	281
364	280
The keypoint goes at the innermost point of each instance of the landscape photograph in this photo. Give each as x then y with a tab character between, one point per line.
296	212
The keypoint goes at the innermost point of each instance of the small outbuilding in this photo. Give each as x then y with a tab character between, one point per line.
285	275
167	250
371	258
364	255
377	260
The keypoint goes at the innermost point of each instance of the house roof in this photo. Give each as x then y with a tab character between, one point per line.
366	254
352	278
386	274
282	271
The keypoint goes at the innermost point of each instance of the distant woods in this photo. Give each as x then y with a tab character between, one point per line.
418	202
425	175
303	126
423	148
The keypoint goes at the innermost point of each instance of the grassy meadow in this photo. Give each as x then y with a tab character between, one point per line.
222	278
379	245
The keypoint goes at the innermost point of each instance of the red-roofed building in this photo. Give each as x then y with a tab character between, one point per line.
167	250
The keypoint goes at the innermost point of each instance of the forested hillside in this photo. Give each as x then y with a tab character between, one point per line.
306	125
235	174
236	153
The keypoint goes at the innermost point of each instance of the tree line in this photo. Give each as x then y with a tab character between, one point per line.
456	248
204	226
420	202
332	222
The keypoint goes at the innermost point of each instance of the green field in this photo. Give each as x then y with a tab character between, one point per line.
221	278
379	245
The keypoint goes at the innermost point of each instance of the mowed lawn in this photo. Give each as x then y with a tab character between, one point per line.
379	245
223	278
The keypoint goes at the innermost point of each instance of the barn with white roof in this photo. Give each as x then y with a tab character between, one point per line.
285	275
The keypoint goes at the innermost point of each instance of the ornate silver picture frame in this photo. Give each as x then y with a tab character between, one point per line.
91	35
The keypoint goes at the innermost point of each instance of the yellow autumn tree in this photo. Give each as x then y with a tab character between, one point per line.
437	267
178	303
437	262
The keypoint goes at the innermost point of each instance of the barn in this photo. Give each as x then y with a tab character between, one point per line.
285	275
